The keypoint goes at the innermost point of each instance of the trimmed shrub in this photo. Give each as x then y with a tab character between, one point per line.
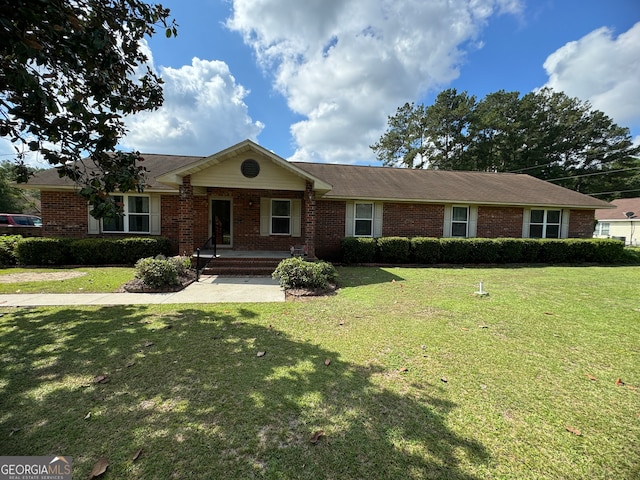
8	249
484	250
531	250
358	250
43	251
157	272
425	249
456	250
394	249
95	251
510	250
134	248
296	272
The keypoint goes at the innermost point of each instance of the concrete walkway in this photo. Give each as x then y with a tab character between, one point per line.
211	289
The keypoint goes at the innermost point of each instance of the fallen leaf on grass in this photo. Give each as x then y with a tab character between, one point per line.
341	322
87	416
148	344
403	369
548	313
99	468
619	382
316	436
14	430
483	326
261	354
631	387
591	377
327	362
575	431
444	379
101	379
136	455
130	364
464	329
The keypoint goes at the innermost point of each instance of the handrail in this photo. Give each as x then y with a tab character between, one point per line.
211	240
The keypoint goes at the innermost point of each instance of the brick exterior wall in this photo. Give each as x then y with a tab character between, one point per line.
330	227
64	214
412	220
500	222
581	223
170	220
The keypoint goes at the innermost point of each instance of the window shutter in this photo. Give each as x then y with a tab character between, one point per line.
526	220
446	231
296	218
473	221
93	224
349	223
564	223
265	216
154	215
377	219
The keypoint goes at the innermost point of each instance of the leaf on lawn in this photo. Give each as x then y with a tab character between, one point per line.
403	369
99	468
548	313
619	382
87	416
591	377
575	431
136	455
483	326
464	329
148	344
327	362
101	379
444	379
14	430
341	322
631	387
130	364
316	436
261	354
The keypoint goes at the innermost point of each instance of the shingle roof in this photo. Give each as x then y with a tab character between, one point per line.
623	205
385	183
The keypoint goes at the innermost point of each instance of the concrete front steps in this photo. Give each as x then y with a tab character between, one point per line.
240	263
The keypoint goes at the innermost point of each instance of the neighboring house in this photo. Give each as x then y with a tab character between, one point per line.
620	222
248	198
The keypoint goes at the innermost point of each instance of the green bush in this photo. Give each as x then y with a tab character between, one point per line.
510	250
134	248
394	249
358	250
157	272
425	249
8	249
43	251
456	250
296	272
95	251
484	250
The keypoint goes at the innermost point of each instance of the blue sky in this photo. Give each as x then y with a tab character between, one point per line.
315	80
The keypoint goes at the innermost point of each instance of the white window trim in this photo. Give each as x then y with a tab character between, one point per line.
466	222
371	219
599	230
545	224
272	216
125	209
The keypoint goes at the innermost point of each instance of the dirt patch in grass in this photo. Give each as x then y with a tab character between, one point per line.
302	294
39	276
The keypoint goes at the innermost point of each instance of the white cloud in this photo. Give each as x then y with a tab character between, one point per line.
603	70
203	112
346	65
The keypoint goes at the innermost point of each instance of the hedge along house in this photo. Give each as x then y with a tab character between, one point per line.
246	198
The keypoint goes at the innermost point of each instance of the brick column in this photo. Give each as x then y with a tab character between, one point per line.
309	202
185	220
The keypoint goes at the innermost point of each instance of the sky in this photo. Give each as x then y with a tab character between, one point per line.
316	80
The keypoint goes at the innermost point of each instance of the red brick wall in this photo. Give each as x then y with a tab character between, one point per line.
500	222
412	220
581	223
169	220
64	214
330	228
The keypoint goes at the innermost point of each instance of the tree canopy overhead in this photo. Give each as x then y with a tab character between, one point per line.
71	70
545	134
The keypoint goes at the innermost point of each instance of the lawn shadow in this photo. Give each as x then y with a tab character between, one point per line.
368	275
211	393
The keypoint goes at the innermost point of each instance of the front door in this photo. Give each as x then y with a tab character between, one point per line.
221	222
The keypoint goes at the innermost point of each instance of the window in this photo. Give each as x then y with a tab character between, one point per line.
363	220
135	218
545	224
460	222
281	217
602	229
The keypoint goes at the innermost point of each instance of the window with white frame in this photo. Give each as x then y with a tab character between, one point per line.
545	224
602	229
136	218
363	220
280	217
460	222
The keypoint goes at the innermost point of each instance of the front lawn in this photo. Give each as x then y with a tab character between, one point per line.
405	372
64	280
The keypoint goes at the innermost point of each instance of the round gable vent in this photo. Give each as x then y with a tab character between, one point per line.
250	168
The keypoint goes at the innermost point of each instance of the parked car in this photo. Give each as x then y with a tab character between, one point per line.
20	220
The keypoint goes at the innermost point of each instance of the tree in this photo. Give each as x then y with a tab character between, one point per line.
71	70
546	134
13	199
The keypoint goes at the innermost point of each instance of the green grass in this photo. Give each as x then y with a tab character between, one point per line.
92	279
202	404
